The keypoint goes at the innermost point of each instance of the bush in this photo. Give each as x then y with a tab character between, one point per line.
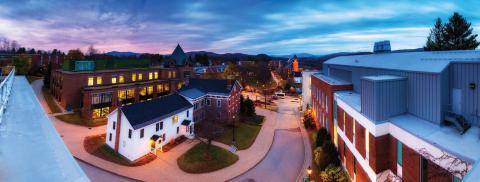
308	121
326	155
322	136
334	174
249	107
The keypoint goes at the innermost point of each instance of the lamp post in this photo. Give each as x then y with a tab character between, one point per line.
265	95
309	172
233	138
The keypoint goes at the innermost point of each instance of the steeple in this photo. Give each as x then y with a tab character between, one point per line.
179	56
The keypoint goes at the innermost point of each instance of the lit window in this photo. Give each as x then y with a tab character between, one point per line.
150	75
156	75
175	119
121	79
90	81
167	87
174	74
114	80
179	86
99	80
169	74
150	90
140	76
134	77
367	143
159	88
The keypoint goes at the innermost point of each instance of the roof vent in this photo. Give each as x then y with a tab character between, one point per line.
382	46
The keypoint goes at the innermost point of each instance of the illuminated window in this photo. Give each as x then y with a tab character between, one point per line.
150	90
90	81
122	94
134	77
99	80
156	75
121	79
179	86
130	93
140	76
150	75
159	88
143	91
169	74
100	112
175	119
174	74
114	80
167	87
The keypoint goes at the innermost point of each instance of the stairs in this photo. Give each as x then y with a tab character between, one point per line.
460	123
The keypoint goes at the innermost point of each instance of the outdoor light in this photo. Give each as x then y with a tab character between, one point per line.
309	171
472	86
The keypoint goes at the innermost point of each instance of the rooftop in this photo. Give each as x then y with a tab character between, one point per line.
209	86
431	62
145	113
31	149
384	78
351	98
331	80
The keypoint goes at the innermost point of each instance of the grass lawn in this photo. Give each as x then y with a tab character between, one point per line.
255	120
76	118
193	161
245	134
96	146
50	101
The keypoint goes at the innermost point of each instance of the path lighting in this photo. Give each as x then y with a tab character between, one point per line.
309	171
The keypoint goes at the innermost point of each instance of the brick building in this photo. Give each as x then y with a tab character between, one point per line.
213	99
95	93
402	116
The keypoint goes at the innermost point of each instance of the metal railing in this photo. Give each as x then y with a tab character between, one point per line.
6	88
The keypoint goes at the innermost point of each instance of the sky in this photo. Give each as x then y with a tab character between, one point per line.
224	26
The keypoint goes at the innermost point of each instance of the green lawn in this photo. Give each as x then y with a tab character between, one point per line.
50	101
76	118
245	134
255	120
193	161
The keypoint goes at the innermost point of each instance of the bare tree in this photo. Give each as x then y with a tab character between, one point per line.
91	50
453	164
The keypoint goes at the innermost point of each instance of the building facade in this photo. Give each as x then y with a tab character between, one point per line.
218	100
402	116
139	129
306	88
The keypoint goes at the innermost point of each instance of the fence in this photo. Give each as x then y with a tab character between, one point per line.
6	88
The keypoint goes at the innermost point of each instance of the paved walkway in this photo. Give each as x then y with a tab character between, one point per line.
165	167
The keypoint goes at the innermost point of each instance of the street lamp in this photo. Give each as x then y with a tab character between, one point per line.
233	138
265	95
309	171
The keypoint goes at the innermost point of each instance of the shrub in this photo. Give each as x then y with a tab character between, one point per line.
249	107
334	174
322	136
326	155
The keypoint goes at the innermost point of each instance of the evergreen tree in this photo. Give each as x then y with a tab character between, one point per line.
458	34
454	35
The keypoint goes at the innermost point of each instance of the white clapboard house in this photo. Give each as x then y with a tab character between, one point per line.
136	130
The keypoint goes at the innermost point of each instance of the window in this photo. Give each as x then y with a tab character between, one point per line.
149	90
90	81
174	119
208	102
344	149
161	125
423	170
99	80
334	109
134	77
141	133
110	137
121	79
140	76
354	166
367	143
179	85
143	91
178	129
100	112
157	126
188	113
150	75
167	87
353	132
169	74
114	123
174	74
114	80
159	88
155	74
129	133
219	103
399	153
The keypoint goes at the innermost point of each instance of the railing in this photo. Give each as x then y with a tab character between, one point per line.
5	89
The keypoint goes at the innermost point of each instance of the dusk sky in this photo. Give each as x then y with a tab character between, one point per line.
252	27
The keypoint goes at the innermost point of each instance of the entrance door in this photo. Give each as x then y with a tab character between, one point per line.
457	101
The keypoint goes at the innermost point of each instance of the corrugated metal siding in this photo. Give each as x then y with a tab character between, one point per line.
383	99
367	99
423	90
342	74
462	74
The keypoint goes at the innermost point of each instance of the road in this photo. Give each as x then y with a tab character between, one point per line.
285	159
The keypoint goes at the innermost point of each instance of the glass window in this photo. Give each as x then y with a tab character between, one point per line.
175	119
219	103
121	79
114	80
188	113
179	86
156	74
109	137
161	125
399	153
334	109
122	94
114	123
129	133
90	81
166	87
150	75
150	90
169	74
99	80
143	91
159	88
141	133
157	126
130	93
174	74
134	77
96	98
178	129
140	76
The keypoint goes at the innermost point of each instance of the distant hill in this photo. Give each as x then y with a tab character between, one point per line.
123	54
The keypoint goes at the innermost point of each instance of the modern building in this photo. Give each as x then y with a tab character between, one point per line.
218	100
139	129
95	89
306	88
410	116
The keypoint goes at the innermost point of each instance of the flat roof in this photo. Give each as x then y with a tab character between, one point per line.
384	78
113	70
431	62
30	147
351	98
466	146
331	80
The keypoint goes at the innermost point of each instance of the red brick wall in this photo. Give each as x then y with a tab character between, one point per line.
340	117
360	139
340	147
437	174
348	127
393	154
379	159
362	176
410	165
349	162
